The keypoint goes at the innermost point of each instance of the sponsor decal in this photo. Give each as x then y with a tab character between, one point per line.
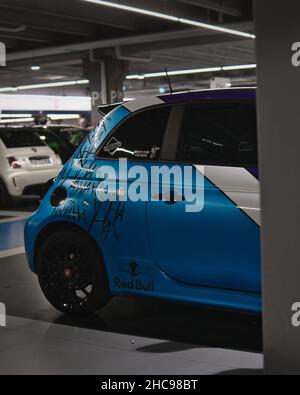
141	154
112	146
135	283
154	152
134	269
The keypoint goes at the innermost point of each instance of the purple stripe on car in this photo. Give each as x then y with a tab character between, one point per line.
254	171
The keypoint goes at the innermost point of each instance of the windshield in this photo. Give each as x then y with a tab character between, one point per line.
20	138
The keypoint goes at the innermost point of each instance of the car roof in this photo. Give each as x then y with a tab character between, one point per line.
183	97
211	94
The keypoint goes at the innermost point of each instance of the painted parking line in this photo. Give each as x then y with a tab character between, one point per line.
13	219
13	216
12	235
12	225
12	252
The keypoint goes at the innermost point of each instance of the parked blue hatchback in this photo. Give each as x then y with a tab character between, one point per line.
89	241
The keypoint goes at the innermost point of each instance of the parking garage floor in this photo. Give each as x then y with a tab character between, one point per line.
129	336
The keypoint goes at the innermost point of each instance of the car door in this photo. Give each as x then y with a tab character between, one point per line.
138	139
218	246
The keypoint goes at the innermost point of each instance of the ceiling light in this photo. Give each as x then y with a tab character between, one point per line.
217	28
5	121
190	71
15	116
9	89
57	117
52	85
35	68
240	67
171	18
45	85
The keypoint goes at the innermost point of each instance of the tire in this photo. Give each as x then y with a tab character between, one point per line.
72	274
4	195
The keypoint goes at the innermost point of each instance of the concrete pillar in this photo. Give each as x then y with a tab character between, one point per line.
116	71
106	82
278	32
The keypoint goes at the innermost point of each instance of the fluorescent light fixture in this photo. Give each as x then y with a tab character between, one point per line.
218	28
9	116
5	121
35	68
63	116
191	71
126	99
25	103
240	67
53	85
45	85
171	18
136	76
9	89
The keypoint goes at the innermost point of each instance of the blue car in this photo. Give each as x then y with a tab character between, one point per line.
89	241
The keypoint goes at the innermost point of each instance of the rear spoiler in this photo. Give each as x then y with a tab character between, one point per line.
107	108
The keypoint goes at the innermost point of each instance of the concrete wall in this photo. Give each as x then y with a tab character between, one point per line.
278	28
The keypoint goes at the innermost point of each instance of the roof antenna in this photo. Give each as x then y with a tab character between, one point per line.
169	81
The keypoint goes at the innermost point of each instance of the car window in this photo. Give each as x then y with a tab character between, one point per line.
74	137
71	136
55	143
139	137
20	138
219	134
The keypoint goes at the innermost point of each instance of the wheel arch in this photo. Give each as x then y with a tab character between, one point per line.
58	226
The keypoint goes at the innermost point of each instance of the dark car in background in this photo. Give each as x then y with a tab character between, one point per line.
58	144
70	134
62	139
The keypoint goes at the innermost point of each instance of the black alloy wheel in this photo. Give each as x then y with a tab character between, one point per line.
71	273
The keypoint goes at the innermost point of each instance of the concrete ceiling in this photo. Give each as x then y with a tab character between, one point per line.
35	31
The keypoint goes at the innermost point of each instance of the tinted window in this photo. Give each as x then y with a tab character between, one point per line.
71	136
139	137
20	138
219	134
55	143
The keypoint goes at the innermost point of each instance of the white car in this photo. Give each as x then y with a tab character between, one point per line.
26	164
